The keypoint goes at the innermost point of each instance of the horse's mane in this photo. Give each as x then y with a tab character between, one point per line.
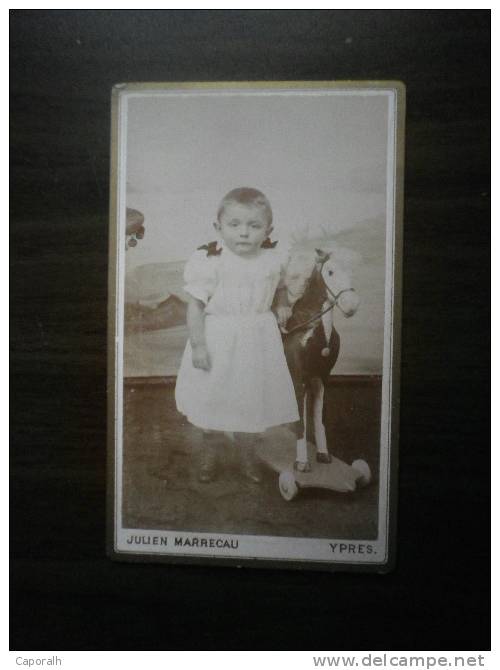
347	257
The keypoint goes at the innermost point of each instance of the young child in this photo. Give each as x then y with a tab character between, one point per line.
233	375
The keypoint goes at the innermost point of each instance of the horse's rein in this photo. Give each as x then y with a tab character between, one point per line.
317	316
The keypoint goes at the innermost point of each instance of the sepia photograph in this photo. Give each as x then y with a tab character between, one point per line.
254	322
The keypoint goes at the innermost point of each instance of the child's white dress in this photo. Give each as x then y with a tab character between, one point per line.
248	387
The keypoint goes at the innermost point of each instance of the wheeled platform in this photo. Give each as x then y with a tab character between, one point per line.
336	476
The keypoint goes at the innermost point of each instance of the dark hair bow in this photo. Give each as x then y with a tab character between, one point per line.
211	249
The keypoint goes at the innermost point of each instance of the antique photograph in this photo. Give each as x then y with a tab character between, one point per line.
254	318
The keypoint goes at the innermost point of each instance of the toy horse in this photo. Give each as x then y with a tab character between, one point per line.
316	286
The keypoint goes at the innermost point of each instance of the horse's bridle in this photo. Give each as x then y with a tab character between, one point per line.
334	304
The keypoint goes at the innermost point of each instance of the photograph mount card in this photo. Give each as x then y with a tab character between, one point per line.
254	323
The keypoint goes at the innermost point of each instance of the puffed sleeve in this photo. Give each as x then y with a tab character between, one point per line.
200	276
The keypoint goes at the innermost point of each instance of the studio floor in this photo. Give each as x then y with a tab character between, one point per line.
161	456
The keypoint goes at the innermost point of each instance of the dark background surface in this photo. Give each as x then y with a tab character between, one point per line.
65	593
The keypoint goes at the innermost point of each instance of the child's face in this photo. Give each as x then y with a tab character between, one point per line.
243	228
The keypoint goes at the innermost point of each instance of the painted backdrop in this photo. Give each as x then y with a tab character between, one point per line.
321	158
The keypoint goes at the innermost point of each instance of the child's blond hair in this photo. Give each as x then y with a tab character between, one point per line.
251	197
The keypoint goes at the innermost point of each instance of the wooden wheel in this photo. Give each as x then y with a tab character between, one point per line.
364	470
287	485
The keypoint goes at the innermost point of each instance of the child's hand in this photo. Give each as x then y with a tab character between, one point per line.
201	359
283	313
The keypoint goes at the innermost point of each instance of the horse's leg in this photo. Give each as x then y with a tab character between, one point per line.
318	391
295	360
299	427
302	463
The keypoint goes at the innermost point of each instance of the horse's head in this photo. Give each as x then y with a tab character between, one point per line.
333	269
336	272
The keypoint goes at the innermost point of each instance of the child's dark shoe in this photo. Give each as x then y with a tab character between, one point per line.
206	474
250	466
208	464
323	458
